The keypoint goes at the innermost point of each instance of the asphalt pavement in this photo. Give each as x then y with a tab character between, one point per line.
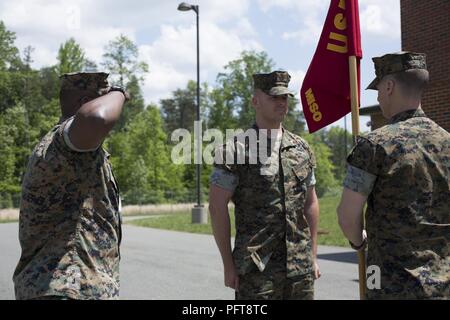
159	264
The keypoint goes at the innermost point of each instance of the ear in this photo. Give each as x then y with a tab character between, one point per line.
255	102
390	86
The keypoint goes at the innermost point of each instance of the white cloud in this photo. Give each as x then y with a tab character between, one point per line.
308	34
309	17
381	20
297	77
167	37
162	79
170	51
46	25
244	28
376	19
307	7
173	56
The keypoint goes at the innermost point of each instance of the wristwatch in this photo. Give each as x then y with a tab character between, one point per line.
120	89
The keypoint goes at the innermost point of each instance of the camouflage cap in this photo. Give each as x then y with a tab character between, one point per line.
274	83
91	81
396	62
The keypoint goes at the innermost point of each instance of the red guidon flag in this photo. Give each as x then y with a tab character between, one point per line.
325	91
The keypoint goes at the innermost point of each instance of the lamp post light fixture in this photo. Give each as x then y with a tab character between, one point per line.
198	212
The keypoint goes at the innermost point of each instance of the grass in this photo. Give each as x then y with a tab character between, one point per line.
8	220
179	222
329	231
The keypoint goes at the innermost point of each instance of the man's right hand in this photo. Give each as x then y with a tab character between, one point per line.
231	278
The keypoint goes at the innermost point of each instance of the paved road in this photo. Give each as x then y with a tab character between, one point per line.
159	264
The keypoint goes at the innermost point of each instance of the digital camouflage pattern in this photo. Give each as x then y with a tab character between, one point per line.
269	209
272	284
70	225
396	62
274	83
85	81
359	180
408	210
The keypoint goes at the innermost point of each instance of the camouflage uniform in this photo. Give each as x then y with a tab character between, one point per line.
408	207
272	251
70	225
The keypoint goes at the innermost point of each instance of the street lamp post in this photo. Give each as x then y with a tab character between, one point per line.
198	212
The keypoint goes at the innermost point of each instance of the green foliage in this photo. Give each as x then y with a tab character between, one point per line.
232	106
294	120
8	185
140	142
324	170
9	54
180	111
231	100
71	57
336	139
121	60
179	222
329	232
141	159
132	107
28	109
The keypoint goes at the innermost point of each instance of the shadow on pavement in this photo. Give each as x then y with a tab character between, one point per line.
347	257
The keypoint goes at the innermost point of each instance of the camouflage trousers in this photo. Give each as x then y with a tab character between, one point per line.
275	286
52	298
273	283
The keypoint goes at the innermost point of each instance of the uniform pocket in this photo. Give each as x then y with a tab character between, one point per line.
301	172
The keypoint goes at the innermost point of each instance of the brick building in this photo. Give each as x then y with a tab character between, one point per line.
426	28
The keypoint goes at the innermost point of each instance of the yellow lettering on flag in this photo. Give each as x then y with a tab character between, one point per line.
313	106
343	48
340	23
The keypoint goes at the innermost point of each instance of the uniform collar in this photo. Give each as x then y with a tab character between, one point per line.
408	114
287	139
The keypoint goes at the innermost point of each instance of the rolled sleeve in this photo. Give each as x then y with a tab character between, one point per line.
224	179
367	156
311	179
66	127
359	180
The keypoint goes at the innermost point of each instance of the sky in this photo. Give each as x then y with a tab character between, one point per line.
287	30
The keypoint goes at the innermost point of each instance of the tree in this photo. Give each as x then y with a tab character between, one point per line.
90	66
235	90
231	100
180	111
132	107
295	120
71	57
27	59
9	54
336	138
121	59
15	129
8	185
49	82
324	167
141	160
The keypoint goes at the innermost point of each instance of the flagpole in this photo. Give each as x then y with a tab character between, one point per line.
355	131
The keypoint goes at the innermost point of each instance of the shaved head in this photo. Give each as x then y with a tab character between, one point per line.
411	82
